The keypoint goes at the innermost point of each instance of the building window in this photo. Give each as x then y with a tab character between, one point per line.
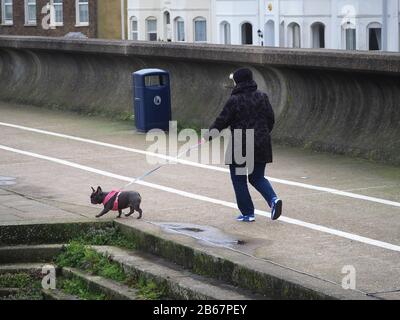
134	29
247	33
318	35
7	11
225	33
30	12
82	12
375	36
349	36
200	30
58	12
351	39
151	26
167	27
270	33
282	34
180	29
294	35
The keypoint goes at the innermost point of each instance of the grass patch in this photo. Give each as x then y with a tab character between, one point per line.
29	286
109	236
18	280
79	288
78	254
149	290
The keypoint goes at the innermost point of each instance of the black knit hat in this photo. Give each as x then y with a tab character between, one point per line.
243	75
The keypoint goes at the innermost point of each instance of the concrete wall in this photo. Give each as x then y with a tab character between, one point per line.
343	102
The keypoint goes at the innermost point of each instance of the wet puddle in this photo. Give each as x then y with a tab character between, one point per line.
204	234
6	181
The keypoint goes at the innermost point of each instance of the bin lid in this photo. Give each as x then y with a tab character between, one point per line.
146	72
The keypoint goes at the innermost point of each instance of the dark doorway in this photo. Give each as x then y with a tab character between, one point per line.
247	33
375	39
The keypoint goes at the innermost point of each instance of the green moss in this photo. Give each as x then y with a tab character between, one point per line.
47	232
29	286
78	255
19	280
25	295
108	236
170	250
149	290
79	288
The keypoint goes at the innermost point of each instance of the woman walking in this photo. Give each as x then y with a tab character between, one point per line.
249	109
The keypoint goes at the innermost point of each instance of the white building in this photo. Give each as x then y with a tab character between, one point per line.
170	20
333	24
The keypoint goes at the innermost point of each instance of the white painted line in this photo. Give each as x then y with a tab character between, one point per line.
204	166
312	226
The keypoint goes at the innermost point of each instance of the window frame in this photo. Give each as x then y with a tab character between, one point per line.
294	35
195	20
53	14
345	27
374	26
148	37
29	22
4	21
316	27
131	20
225	33
78	5
347	39
178	21
242	30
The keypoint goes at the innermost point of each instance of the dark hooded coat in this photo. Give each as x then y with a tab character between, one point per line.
248	108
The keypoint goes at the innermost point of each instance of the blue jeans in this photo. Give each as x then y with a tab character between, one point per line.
258	181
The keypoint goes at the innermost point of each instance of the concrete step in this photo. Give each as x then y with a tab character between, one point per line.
179	283
49	232
29	254
112	289
32	268
57	295
232	266
5	292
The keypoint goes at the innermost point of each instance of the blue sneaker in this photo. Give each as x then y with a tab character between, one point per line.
276	208
249	218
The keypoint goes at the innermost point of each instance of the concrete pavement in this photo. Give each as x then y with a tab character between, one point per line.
45	189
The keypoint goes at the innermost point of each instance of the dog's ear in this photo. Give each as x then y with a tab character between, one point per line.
99	189
93	189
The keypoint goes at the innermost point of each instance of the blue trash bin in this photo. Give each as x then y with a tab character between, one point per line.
152	99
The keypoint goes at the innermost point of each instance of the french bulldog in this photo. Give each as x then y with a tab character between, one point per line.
117	201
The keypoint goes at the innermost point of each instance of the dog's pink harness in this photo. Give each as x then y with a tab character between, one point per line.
109	196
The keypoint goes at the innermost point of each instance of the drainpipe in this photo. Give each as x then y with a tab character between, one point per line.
210	27
278	34
123	37
260	40
384	24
